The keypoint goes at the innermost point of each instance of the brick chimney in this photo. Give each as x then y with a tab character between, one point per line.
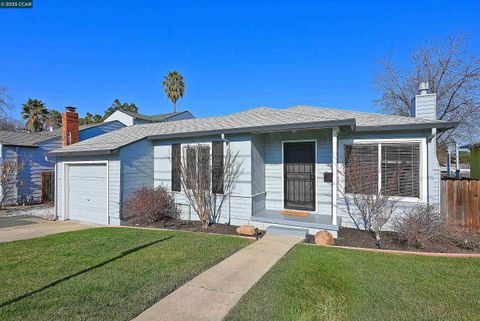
70	124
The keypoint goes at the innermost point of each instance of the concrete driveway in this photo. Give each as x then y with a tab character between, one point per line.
13	228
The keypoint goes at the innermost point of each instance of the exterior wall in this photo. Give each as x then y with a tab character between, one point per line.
238	207
136	168
9	153
113	184
274	167
475	162
106	127
186	115
125	119
433	181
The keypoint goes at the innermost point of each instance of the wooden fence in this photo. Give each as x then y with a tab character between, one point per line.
48	187
461	202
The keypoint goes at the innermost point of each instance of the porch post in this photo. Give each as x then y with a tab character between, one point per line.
334	176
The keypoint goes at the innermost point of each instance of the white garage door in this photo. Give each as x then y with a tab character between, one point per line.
87	193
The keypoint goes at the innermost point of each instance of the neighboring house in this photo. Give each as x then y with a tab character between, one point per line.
474	159
290	160
129	118
32	149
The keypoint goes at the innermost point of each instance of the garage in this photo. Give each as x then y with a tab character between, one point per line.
87	192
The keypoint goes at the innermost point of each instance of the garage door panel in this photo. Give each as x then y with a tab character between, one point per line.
87	193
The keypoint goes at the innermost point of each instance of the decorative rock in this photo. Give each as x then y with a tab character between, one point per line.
246	230
323	238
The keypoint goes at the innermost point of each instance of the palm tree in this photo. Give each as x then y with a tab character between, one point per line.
54	119
35	113
174	87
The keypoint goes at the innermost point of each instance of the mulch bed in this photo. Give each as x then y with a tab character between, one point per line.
196	226
356	238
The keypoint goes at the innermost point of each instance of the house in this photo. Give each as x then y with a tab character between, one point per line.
32	148
25	187
474	159
289	160
130	118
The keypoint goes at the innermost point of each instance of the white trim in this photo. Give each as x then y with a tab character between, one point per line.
423	180
334	175
283	169
66	167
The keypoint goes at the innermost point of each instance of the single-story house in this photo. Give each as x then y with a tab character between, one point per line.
32	148
289	160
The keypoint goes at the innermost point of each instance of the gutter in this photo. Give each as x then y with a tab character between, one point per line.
81	153
260	129
438	125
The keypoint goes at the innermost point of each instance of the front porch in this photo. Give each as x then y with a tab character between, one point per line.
295	171
313	222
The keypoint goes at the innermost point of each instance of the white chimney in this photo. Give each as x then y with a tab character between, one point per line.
425	104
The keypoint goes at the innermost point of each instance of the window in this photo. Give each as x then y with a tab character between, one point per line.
176	168
401	169
361	168
198	166
397	175
217	167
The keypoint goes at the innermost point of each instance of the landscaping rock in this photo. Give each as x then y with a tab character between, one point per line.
323	238
246	230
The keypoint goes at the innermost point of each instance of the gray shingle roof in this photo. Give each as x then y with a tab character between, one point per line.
33	139
253	120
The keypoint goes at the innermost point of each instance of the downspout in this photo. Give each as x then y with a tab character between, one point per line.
222	136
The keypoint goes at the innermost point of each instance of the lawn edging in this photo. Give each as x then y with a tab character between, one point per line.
434	254
183	231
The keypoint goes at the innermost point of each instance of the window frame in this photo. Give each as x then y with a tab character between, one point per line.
423	170
209	144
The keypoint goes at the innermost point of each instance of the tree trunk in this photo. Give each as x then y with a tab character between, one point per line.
174	106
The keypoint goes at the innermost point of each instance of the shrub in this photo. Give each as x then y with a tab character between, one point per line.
422	227
149	205
468	240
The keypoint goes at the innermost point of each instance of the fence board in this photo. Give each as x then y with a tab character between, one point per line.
48	187
461	202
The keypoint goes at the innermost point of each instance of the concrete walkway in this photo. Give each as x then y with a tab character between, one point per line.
31	227
212	294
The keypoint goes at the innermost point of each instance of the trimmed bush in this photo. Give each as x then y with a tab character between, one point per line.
149	205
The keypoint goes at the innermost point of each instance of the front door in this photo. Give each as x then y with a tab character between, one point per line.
299	175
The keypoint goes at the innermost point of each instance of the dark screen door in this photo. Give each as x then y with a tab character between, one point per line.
299	175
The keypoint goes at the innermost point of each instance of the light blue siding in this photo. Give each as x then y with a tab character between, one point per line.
186	115
100	129
237	208
274	167
136	168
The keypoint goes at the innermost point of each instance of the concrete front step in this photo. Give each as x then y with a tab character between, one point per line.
287	231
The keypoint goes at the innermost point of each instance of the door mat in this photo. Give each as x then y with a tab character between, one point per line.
294	213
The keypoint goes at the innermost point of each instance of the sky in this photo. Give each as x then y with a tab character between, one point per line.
233	55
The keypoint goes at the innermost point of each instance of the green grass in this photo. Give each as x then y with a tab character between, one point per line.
102	274
316	283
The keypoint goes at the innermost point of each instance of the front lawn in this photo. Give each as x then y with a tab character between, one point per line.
317	283
102	274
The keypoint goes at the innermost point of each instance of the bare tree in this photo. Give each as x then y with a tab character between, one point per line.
205	189
4	101
452	73
369	206
10	176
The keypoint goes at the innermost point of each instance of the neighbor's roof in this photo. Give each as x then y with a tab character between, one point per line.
471	145
153	118
262	119
33	139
